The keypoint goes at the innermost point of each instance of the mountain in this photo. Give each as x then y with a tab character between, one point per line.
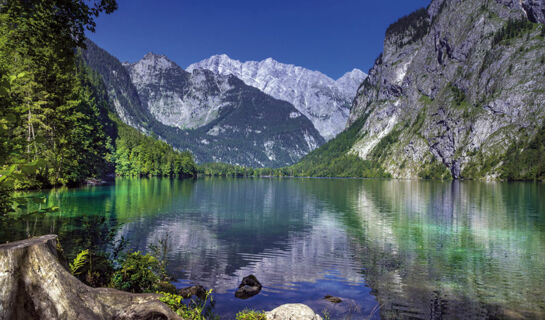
218	118
324	101
458	92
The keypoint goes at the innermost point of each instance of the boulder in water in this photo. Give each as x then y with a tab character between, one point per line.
249	287
296	311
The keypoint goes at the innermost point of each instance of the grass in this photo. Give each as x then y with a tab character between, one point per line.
251	315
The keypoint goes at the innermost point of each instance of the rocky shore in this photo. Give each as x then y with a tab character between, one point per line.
35	284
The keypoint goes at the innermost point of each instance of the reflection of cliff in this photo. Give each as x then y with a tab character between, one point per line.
460	250
279	234
196	253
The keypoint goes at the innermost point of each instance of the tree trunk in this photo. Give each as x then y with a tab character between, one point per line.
35	285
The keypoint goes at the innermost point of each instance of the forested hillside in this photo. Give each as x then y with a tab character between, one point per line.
56	126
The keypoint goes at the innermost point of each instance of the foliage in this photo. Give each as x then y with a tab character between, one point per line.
55	118
55	127
199	309
251	315
458	95
138	273
435	170
160	251
94	269
513	29
525	160
383	148
217	169
334	160
417	22
79	261
140	155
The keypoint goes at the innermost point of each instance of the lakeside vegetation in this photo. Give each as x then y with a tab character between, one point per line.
56	123
333	159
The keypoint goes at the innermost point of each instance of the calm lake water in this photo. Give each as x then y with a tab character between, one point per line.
390	249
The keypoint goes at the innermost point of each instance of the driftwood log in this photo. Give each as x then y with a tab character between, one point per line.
34	284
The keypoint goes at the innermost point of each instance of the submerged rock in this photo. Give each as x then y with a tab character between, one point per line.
35	285
333	299
249	287
296	311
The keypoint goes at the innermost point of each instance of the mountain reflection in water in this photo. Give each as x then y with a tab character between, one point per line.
393	249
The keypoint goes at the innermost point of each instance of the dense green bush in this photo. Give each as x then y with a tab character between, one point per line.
138	273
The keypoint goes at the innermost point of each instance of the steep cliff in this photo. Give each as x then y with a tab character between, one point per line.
326	102
217	117
459	91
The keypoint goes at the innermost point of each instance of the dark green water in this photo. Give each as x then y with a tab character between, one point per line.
390	249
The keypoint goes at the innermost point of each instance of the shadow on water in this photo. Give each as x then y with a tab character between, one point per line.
390	249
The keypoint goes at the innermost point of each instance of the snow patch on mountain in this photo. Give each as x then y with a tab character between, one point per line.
326	102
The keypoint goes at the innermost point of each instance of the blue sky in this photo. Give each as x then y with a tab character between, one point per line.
332	36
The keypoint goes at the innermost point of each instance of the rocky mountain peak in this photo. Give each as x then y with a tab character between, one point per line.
153	62
324	101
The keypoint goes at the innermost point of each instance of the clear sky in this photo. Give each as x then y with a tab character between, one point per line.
332	36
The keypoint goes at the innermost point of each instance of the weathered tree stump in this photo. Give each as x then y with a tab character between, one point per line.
35	285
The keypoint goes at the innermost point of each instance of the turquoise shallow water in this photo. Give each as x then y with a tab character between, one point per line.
390	249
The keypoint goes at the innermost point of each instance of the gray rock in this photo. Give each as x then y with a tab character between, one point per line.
454	97
296	311
197	291
248	288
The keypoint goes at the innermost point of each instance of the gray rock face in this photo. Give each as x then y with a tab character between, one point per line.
451	89
535	9
216	117
326	102
296	311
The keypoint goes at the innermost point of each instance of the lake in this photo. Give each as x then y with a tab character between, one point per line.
389	249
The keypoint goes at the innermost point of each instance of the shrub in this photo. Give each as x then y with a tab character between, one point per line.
251	315
199	309
139	273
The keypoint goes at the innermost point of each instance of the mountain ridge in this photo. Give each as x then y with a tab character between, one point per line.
326	102
242	126
456	93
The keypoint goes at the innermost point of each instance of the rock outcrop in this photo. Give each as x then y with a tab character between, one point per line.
295	311
459	87
35	285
